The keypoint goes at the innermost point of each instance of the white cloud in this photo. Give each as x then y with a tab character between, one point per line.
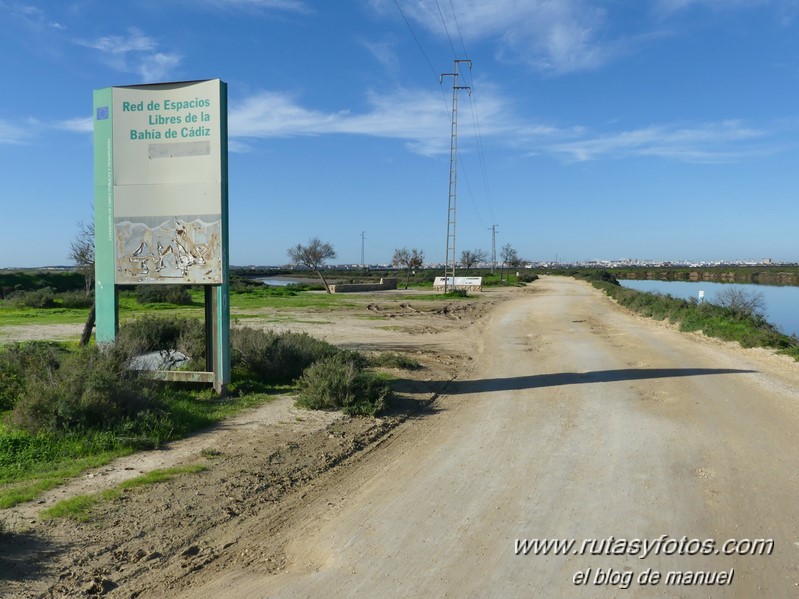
555	36
384	52
11	133
419	118
134	53
30	16
725	141
415	117
135	41
156	67
77	125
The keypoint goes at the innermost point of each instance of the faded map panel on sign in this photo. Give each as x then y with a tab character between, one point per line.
179	250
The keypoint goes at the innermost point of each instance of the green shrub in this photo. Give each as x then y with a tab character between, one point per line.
159	333
163	294
286	291
338	382
37	298
75	299
91	389
244	285
31	279
270	356
304	287
21	361
527	277
395	360
597	275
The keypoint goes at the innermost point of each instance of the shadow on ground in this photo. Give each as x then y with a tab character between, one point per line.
537	381
23	556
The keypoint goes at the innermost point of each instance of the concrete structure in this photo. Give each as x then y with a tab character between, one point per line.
464	283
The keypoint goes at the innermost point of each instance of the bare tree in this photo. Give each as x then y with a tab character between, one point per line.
470	258
313	256
409	260
81	252
749	304
508	256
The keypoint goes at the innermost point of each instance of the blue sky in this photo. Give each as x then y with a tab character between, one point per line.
608	129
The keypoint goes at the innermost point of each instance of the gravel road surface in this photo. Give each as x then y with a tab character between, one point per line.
577	421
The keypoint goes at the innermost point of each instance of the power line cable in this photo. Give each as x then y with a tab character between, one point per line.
418	43
458	27
481	153
421	49
475	118
469	188
446	29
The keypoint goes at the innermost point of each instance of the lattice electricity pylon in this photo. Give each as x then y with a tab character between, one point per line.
450	256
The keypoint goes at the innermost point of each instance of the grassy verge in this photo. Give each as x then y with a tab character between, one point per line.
710	319
10	316
80	507
241	301
31	464
283	298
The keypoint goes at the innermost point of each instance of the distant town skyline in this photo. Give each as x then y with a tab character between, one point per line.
603	263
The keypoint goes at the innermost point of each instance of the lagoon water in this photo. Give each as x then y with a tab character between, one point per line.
278	282
782	303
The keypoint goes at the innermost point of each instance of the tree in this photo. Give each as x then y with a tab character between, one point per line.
408	260
742	302
471	257
313	256
509	257
81	252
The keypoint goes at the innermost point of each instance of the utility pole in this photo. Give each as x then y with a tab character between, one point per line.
493	248
363	260
450	259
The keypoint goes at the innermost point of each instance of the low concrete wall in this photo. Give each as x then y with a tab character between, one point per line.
384	285
459	283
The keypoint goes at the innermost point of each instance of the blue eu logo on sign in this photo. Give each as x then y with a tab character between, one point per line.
102	113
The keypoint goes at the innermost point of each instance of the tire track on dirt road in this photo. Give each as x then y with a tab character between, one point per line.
577	421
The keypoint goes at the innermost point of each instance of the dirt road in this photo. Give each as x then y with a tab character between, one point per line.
577	422
572	420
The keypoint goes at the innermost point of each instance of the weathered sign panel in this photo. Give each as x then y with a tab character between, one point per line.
168	182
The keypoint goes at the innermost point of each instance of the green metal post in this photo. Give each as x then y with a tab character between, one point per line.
104	258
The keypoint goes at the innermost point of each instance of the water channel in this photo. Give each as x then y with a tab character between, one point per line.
278	282
782	303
